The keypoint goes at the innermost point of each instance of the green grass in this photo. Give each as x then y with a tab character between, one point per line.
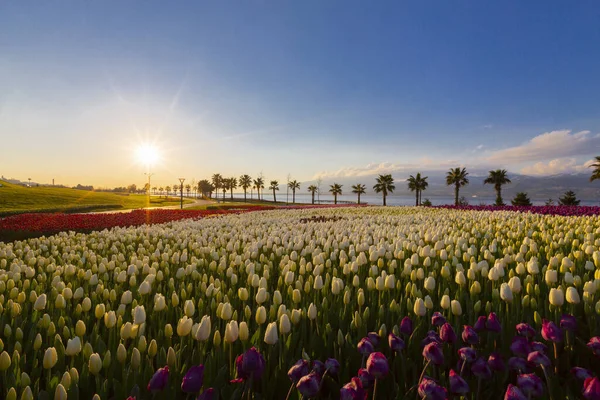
16	199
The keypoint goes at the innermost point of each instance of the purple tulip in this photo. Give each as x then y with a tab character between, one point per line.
253	363
530	385
193	379
525	329
469	335
433	353
539	346
366	378
496	362
241	376
581	373
318	368
159	380
591	389
430	390
309	385
594	345
447	333
514	393
353	390
396	343
481	369
538	358
457	384
468	354
493	324
298	370
332	366
520	346
374	338
208	394
568	322
365	347
406	326
480	324
377	365
551	332
517	364
437	319
431	336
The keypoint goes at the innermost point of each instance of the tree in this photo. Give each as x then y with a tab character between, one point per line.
259	184
245	183
359	189
313	189
384	185
596	172
335	189
427	203
168	189
188	189
232	185
160	190
498	178
204	187
549	202
294	185
569	199
132	188
274	186
217	180
521	199
458	178
154	189
417	184
225	182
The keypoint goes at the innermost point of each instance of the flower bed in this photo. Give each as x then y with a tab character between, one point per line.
545	210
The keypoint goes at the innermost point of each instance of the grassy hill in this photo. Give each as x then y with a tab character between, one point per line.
17	199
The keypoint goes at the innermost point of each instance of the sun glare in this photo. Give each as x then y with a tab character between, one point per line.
147	154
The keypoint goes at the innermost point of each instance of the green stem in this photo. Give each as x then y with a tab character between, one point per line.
375	390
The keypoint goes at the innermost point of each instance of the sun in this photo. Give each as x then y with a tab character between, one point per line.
147	154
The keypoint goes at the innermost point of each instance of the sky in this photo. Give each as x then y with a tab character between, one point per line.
307	88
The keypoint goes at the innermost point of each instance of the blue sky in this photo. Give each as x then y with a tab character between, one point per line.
310	88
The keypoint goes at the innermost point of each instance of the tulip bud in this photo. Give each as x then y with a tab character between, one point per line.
556	297
271	334
136	359
243	331
168	330
95	364
12	394
50	358
121	353
100	310
4	361
445	302
231	332
217	339
456	307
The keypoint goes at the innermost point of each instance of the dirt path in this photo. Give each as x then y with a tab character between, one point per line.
196	203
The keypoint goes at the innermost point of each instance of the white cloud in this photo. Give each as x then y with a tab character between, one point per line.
556	166
371	169
548	146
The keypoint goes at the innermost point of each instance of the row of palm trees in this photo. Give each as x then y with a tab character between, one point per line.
456	177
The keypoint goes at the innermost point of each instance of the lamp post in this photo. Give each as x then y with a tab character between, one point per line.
148	174
181	191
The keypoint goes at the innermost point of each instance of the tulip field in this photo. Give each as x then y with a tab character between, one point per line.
314	303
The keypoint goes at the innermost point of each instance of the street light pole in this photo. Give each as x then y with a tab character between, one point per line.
149	175
181	191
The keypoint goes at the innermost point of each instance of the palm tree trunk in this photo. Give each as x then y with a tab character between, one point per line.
417	200
274	198
313	197
384	199
244	195
456	195
294	196
335	199
359	198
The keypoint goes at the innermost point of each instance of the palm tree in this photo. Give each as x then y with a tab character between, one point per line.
233	183
384	185
335	189
168	189
458	178
160	190
188	189
154	189
245	183
596	166
225	184
498	178
217	181
358	189
274	186
313	189
294	185
417	184
259	184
